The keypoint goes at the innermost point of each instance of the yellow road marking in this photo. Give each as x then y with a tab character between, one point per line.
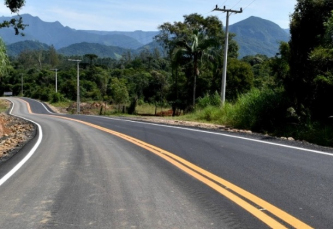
212	181
203	175
28	105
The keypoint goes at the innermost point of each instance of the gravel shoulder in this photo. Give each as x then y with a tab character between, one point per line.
14	132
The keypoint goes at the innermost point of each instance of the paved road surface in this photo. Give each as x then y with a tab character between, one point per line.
116	173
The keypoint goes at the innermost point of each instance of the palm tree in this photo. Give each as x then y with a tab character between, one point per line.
193	50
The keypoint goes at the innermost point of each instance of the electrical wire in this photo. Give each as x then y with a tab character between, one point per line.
236	4
249	4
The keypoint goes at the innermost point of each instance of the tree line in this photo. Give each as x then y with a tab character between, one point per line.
297	83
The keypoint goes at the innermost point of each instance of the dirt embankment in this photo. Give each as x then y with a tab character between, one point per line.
14	132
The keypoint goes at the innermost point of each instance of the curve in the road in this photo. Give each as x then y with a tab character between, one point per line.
227	189
261	209
31	152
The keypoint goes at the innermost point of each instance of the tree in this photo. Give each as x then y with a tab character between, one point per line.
157	88
311	40
53	56
280	64
194	50
4	62
240	78
321	59
188	42
119	92
307	28
16	23
91	58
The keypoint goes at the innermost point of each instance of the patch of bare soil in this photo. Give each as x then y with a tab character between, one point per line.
210	126
14	133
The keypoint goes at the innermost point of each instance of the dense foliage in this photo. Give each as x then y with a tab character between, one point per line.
310	80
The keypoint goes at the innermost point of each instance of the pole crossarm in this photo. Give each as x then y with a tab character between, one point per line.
228	10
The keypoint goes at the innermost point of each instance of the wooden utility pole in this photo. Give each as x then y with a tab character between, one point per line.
225	61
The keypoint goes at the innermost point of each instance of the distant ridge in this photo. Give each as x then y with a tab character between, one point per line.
254	35
53	33
102	51
16	48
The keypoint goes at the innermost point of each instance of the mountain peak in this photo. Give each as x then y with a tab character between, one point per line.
259	36
257	22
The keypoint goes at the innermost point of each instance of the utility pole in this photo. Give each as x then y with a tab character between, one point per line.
77	86
56	80
225	61
22	84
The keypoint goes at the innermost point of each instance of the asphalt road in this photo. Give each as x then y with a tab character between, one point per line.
115	173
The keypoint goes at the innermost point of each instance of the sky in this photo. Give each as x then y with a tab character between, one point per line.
147	15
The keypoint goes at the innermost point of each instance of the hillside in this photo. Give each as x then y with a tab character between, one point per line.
54	33
255	35
18	47
83	48
144	37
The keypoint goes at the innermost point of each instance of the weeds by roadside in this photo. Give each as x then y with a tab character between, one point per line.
264	111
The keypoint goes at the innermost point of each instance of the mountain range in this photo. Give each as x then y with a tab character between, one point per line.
254	36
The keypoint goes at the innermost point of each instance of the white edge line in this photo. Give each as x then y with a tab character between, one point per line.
221	134
27	157
45	107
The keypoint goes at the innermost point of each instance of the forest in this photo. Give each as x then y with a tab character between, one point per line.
287	95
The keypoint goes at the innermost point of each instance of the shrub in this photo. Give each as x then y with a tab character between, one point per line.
57	97
260	110
209	100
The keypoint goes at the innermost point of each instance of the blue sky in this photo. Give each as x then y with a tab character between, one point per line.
147	15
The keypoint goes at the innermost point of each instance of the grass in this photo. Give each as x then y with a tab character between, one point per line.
149	109
3	106
262	111
62	104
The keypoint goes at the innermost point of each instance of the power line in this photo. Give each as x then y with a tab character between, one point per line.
236	3
249	4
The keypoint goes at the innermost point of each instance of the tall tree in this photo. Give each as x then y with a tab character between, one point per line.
187	43
53	56
194	50
321	59
91	58
3	59
307	32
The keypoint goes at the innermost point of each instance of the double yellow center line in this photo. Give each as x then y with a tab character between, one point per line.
264	211
236	194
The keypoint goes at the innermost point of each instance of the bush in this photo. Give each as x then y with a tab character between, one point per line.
43	94
57	97
260	110
209	100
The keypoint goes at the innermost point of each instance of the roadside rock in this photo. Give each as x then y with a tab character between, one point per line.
14	133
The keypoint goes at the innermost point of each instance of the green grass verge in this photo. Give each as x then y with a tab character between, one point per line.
3	106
